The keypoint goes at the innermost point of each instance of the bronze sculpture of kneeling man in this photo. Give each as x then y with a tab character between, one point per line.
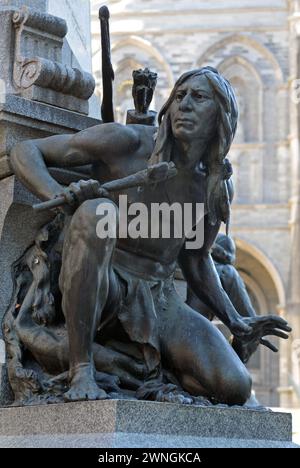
121	290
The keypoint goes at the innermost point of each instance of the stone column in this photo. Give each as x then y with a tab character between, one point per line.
40	95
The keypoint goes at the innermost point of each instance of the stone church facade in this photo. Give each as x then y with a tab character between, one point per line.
254	43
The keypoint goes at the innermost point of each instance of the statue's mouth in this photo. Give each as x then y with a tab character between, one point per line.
182	120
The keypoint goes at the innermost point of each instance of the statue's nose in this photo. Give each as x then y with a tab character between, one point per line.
186	103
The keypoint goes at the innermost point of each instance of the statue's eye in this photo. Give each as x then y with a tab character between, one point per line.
199	96
179	96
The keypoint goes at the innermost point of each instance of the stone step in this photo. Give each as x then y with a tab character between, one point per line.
131	423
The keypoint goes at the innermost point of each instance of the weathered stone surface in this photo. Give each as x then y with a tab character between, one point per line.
55	98
77	16
6	395
40	5
32	60
6	51
5	391
22	119
2	352
128	423
147	417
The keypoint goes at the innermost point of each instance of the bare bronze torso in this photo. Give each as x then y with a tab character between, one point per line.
188	186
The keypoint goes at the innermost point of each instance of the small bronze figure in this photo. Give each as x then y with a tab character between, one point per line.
144	82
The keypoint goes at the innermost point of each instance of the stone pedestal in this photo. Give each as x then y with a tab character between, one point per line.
134	117
130	423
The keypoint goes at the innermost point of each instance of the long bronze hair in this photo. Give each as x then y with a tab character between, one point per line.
218	166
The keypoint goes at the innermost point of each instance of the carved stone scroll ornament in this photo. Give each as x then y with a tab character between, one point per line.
38	71
40	21
57	76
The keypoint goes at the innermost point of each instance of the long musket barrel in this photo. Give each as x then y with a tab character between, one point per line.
107	111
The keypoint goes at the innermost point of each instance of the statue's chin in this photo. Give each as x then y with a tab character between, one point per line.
183	132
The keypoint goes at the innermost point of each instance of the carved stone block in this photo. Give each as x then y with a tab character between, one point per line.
31	61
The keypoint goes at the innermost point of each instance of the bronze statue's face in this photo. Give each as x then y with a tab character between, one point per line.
223	255
194	111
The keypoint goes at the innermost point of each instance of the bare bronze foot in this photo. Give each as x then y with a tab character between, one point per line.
157	391
83	386
174	397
